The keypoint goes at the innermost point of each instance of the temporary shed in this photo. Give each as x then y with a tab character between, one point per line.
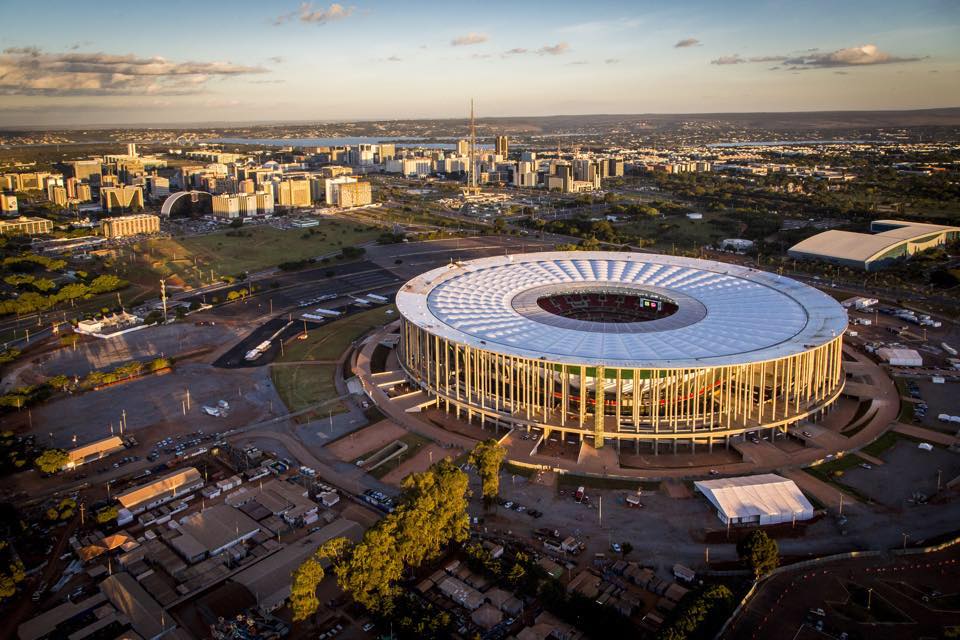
901	357
761	499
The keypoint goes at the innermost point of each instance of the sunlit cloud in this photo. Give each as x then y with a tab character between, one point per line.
469	39
307	13
687	42
31	71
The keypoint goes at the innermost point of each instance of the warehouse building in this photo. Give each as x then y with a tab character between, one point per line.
93	451
762	499
887	241
163	489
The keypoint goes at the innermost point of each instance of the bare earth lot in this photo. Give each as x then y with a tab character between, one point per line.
365	440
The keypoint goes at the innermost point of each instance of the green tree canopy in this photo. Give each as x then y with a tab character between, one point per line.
51	460
487	457
759	552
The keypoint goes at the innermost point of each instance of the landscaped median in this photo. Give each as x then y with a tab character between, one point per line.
305	374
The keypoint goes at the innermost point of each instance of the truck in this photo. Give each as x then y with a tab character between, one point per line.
547	533
330	313
684	573
257	351
633	501
570	545
378	298
580	494
946	347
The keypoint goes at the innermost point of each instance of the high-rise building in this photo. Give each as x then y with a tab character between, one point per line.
226	206
132	149
503	147
355	194
614	167
463	147
129	225
57	195
386	152
294	193
89	170
84	192
331	185
124	197
8	203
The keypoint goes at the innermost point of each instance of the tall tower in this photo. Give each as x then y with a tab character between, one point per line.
473	148
472	189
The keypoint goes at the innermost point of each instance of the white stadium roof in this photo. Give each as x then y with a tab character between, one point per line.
766	499
727	314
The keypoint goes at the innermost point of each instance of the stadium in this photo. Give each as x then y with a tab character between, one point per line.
656	353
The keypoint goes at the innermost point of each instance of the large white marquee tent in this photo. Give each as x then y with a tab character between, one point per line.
761	499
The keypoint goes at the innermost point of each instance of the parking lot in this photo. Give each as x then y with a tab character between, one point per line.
908	470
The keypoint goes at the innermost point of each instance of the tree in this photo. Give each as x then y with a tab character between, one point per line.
370	573
106	515
303	591
626	549
59	382
308	576
432	512
487	457
51	460
759	552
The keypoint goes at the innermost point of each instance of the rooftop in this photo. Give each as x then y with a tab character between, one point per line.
725	314
169	483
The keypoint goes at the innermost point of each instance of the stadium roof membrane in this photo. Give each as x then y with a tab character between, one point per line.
727	314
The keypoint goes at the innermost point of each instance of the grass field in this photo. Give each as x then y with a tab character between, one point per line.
190	259
300	386
330	340
683	233
414	443
831	472
570	480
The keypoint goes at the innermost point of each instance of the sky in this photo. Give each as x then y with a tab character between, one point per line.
196	61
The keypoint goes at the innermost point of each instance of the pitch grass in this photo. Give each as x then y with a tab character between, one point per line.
331	339
300	386
250	248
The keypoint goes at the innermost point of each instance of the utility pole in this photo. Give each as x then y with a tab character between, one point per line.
163	299
841	504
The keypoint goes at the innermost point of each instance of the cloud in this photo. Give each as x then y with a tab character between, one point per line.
612	61
601	26
577	62
867	54
687	42
864	55
734	59
31	71
307	13
394	59
516	51
276	59
554	50
469	39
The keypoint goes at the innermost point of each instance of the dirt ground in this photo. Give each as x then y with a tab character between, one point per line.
420	462
367	439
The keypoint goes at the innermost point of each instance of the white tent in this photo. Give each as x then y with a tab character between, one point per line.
761	499
901	357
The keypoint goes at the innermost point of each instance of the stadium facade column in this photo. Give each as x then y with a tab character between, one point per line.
599	380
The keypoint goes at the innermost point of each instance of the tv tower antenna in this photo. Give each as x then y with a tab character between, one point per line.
472	189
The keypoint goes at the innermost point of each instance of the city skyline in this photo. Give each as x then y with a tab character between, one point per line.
375	60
